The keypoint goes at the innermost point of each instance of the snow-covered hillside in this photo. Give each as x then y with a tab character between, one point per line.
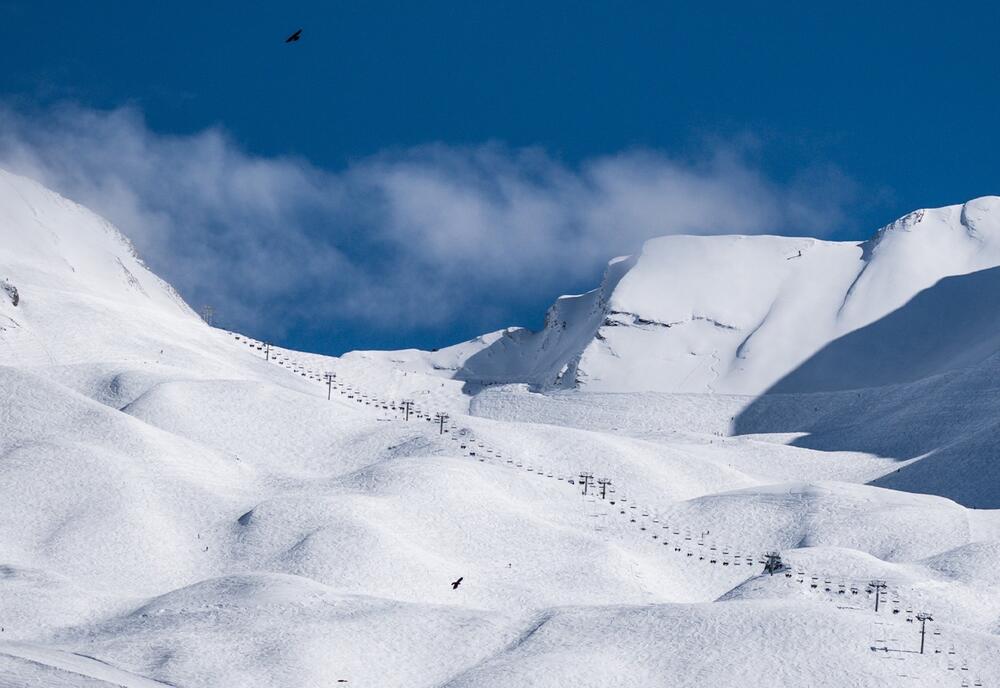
184	506
736	314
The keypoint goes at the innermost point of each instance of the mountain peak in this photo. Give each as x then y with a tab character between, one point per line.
734	313
66	271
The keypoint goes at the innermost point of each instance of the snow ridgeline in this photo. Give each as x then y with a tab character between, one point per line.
737	314
903	606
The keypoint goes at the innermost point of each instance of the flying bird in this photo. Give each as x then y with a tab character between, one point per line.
455	584
294	37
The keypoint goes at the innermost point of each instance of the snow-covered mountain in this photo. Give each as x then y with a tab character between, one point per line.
180	507
70	279
737	314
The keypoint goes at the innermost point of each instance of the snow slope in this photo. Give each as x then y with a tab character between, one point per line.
180	507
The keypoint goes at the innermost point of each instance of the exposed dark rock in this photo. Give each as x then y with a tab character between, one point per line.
11	291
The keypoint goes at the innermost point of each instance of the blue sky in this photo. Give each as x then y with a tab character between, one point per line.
417	173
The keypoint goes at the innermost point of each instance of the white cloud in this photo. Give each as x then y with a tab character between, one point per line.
413	240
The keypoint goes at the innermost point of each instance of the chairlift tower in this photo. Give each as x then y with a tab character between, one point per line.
773	563
329	377
878	586
587	480
441	418
923	618
603	484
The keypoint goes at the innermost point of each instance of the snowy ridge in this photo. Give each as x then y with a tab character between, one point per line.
731	314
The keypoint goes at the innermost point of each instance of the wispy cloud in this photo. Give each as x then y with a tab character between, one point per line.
413	240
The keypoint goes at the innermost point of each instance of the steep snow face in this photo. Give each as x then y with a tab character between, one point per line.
546	358
63	272
736	314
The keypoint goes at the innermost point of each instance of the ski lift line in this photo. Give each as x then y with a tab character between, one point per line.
841	587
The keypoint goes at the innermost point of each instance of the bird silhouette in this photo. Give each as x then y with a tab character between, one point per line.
455	584
294	37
